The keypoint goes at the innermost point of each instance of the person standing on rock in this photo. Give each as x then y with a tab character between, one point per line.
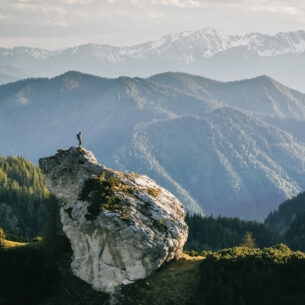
79	138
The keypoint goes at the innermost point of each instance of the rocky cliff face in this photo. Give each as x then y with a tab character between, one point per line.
122	226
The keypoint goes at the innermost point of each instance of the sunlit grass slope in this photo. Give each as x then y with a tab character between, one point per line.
13	244
175	283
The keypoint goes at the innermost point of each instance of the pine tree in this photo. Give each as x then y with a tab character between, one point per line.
248	241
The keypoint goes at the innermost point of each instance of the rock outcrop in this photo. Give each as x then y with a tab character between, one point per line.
122	226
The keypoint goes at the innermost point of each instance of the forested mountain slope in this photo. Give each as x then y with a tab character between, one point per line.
22	197
288	220
232	163
208	142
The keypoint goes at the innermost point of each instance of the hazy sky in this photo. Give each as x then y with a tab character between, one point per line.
55	24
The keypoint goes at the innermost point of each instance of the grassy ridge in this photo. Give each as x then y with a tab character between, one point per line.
234	276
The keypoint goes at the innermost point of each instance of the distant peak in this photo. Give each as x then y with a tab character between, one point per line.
209	30
264	77
76	75
72	72
269	79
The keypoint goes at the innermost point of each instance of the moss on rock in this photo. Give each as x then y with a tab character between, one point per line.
100	193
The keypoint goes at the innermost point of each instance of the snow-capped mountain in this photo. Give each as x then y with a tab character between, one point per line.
208	42
185	46
280	44
207	52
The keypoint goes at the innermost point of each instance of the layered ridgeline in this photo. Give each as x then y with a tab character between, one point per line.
23	195
121	226
206	52
219	147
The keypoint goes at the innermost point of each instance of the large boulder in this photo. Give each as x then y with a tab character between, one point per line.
122	226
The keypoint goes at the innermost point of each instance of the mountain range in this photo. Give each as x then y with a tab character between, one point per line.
231	149
207	53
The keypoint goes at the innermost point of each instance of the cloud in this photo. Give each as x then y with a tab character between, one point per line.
76	1
289	10
133	21
177	3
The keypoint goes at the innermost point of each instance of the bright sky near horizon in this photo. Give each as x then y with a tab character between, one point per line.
57	24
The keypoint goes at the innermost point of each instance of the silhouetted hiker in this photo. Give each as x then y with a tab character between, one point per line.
79	138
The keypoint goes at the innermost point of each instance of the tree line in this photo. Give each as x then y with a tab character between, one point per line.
207	233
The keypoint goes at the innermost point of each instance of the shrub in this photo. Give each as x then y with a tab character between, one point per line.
250	276
154	192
